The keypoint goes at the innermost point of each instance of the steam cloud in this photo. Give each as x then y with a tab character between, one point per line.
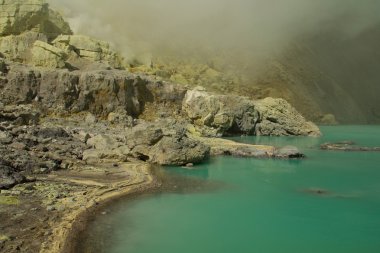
254	29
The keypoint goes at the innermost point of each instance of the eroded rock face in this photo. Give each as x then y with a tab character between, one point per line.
18	16
17	47
226	113
32	33
89	48
279	118
229	114
100	91
46	55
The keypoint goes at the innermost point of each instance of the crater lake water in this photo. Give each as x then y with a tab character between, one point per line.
263	206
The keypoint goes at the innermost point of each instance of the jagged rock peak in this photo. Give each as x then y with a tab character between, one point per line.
18	16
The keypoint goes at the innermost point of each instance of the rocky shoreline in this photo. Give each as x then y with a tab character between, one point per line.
77	129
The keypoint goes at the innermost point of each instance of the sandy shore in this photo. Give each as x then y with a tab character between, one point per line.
129	178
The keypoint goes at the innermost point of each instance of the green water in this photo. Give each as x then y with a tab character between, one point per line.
264	206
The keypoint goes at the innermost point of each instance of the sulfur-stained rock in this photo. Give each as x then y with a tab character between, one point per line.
18	16
89	48
17	47
230	114
226	113
46	55
279	118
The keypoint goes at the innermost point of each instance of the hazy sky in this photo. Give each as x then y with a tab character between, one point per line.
258	28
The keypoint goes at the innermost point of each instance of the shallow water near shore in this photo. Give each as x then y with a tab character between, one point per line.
326	203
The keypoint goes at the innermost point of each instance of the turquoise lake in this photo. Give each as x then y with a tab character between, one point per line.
262	206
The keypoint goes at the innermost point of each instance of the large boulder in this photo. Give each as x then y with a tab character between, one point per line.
226	113
17	47
18	16
229	114
279	118
89	48
165	143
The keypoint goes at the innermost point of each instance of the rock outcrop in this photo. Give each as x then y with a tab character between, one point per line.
229	114
279	118
219	146
32	33
46	55
225	113
17	47
100	91
18	16
80	46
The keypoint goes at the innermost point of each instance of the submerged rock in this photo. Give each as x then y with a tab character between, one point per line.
100	92
288	152
347	146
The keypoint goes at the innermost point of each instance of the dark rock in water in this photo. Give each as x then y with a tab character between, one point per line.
246	151
347	146
318	191
326	193
288	152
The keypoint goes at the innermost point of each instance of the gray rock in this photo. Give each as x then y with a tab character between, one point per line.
230	114
178	151
99	92
279	118
103	142
90	118
347	146
89	48
52	133
226	113
144	134
288	152
165	143
5	138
